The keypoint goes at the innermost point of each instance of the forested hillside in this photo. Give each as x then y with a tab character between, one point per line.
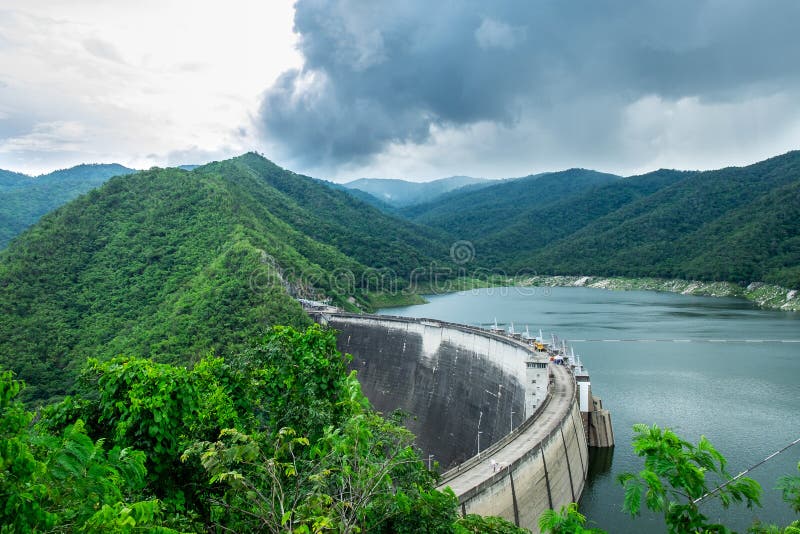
476	213
171	264
735	224
24	199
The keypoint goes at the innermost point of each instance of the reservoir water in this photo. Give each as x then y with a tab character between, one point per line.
709	366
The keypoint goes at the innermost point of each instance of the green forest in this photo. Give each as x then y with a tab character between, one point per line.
278	438
171	264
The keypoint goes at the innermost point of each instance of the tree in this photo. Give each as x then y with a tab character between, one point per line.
363	475
790	487
69	482
566	521
674	480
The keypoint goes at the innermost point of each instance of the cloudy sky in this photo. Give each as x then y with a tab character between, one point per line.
412	89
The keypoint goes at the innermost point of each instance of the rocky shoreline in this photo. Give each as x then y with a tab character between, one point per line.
763	295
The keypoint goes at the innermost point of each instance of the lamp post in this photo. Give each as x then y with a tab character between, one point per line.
512	421
429	461
480	416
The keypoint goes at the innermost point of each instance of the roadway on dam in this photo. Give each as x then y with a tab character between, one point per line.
532	433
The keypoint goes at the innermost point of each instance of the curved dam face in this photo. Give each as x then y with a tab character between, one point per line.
453	382
462	384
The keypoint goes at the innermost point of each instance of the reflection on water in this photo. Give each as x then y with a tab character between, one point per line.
600	460
742	396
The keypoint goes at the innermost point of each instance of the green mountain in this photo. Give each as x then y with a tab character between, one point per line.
400	193
10	179
734	224
533	228
363	196
168	263
475	214
25	199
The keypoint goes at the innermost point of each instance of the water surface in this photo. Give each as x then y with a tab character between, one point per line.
700	365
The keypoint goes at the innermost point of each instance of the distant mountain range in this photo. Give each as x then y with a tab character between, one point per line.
400	193
734	224
23	199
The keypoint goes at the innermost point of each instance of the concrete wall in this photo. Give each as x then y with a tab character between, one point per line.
551	474
448	379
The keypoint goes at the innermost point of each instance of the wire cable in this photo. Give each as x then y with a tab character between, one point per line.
768	458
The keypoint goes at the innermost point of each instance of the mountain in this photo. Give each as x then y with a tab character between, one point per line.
399	193
534	228
474	214
25	199
738	224
363	196
734	224
10	179
172	264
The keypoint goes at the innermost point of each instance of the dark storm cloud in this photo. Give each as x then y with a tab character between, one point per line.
382	72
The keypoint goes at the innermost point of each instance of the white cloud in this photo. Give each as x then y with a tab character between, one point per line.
694	134
509	88
407	89
143	79
56	136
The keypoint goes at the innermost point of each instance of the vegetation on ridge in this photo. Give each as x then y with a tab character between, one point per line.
170	264
737	224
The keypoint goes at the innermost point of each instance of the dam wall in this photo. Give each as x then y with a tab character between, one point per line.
461	385
454	382
545	467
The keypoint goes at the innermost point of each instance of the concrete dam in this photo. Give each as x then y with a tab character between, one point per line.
510	421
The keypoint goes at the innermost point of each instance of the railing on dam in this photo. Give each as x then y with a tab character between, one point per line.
541	464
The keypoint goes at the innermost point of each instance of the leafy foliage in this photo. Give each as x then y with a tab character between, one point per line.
674	479
790	488
56	483
566	521
342	467
219	450
473	523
